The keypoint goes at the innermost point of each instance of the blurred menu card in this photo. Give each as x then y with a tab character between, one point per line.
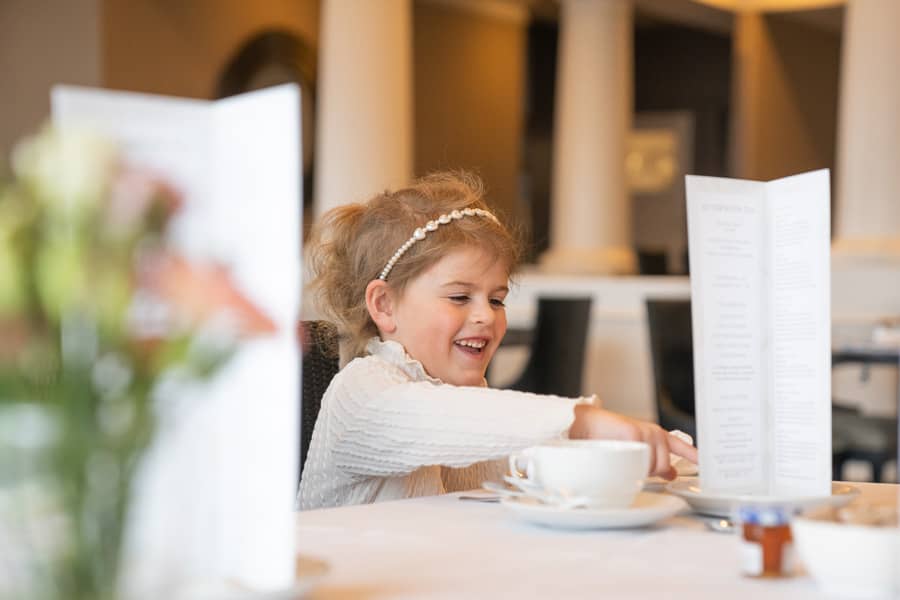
760	302
214	503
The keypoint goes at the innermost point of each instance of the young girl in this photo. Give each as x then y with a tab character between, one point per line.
415	280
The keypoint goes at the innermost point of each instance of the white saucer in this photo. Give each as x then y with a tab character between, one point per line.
721	504
647	509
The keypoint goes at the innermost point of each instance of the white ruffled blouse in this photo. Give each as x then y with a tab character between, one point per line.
387	430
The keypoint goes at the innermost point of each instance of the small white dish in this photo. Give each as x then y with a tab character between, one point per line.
647	509
868	571
722	504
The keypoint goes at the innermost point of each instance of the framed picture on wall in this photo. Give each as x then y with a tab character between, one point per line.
659	155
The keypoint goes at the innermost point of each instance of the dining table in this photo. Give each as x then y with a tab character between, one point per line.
447	547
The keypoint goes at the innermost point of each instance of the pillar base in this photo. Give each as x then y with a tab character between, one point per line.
589	261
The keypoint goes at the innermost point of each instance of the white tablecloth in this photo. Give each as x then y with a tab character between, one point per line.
442	547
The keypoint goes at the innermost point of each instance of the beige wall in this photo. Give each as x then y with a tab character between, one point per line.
786	87
469	77
180	48
468	70
42	42
158	46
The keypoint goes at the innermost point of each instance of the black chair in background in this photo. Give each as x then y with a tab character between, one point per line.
652	262
672	353
860	437
321	361
863	438
556	361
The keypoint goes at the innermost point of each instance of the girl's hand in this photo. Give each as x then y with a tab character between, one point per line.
597	423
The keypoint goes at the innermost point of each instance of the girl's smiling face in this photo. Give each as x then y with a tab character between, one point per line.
452	317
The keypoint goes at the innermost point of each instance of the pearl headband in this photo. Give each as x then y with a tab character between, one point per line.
420	233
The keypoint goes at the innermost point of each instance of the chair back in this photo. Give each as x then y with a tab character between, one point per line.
320	364
672	352
652	262
556	362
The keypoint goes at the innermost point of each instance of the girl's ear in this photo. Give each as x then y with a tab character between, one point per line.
380	303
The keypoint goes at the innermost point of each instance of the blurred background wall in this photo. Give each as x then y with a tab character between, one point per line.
469	85
42	43
786	94
483	85
181	48
713	88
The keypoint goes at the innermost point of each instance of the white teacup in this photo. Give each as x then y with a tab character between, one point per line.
609	472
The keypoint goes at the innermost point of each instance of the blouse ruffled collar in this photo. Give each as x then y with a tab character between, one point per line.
395	353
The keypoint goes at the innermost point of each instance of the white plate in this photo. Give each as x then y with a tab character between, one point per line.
647	509
722	504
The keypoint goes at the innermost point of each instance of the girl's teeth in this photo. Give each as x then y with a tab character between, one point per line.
480	344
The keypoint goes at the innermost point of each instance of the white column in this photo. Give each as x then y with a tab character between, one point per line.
867	221
364	103
865	258
590	208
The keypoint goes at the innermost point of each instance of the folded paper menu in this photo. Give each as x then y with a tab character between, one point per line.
214	503
760	299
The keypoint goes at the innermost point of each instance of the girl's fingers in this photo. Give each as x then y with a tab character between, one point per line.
662	465
682	449
669	474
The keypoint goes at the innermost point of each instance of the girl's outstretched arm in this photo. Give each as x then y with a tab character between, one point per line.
405	426
593	422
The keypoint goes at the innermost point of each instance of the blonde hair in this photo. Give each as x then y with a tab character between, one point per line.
351	244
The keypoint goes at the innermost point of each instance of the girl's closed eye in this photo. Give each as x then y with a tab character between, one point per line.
459	298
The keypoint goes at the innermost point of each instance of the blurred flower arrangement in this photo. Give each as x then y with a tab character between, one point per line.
96	309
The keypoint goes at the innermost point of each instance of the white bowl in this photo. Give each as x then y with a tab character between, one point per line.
849	560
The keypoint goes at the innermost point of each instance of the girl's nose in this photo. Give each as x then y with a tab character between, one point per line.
482	313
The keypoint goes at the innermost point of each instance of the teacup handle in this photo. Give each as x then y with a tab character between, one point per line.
515	460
